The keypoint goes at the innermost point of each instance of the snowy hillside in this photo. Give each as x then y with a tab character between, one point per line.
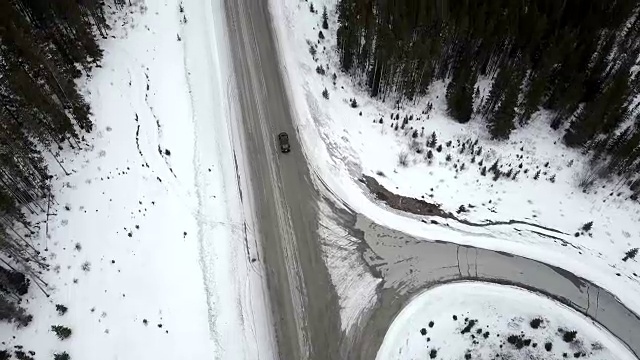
487	321
522	196
146	240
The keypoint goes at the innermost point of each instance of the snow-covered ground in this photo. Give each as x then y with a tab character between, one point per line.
474	320
146	240
344	142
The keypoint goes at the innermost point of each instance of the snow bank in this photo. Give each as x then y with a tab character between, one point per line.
475	320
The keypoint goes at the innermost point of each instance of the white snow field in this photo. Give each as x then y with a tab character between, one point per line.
343	143
476	320
149	246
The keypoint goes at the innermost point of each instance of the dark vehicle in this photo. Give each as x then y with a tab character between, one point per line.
283	139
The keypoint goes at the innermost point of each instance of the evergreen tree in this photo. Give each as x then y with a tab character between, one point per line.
501	122
460	95
44	47
573	59
325	19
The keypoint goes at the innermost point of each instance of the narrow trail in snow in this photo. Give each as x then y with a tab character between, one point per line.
163	154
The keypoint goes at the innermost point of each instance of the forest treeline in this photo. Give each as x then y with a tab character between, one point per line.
44	47
576	58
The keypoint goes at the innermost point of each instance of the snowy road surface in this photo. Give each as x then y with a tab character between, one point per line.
304	303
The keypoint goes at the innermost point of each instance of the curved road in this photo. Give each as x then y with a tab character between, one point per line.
303	300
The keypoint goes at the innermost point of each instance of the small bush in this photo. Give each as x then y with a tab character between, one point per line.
433	353
429	155
325	93
569	336
21	355
553	178
354	103
311	8
631	254
403	159
535	323
320	35
86	266
483	172
62	332
448	157
313	51
61	356
587	226
439	148
537	175
61	309
320	70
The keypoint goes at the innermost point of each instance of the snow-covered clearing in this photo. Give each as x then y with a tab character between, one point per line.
344	142
474	320
149	247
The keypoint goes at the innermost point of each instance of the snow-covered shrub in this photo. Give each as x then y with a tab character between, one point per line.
61	356
61	309
62	332
403	159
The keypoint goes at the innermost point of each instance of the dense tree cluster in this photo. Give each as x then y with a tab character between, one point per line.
44	46
576	58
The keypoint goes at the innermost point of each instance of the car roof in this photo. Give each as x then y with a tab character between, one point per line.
283	134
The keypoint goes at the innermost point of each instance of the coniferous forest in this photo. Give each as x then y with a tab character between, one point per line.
44	47
576	58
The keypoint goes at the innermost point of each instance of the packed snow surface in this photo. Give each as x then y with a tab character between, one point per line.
350	134
146	239
475	320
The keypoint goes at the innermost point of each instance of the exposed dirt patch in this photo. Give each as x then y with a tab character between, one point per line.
421	207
